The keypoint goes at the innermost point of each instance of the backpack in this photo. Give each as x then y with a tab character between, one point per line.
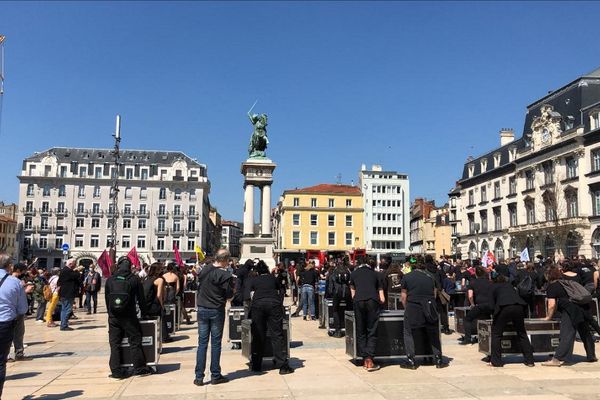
577	293
47	293
525	287
119	297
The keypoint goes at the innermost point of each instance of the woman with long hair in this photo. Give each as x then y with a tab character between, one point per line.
154	294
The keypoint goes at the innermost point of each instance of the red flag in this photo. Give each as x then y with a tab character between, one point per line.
178	259
133	257
104	262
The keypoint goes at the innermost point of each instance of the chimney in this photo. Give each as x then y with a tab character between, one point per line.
507	135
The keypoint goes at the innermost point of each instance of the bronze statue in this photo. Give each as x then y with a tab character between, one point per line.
259	140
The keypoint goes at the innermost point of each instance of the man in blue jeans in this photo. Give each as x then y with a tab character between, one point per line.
214	289
308	280
68	284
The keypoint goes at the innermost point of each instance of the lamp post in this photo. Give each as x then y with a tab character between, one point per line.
476	227
115	191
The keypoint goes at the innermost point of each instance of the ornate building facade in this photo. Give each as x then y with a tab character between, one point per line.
65	197
540	191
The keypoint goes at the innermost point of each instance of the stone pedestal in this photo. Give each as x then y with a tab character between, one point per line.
257	173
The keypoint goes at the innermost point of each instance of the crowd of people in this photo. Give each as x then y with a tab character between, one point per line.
504	292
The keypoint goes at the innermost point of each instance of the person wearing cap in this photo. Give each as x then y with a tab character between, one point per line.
68	282
13	303
122	292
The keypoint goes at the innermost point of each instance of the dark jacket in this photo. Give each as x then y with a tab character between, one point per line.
136	293
214	287
69	282
504	294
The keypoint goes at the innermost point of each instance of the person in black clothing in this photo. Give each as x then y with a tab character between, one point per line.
589	276
242	292
442	307
267	314
154	293
308	280
122	292
393	280
572	319
367	293
420	313
338	285
527	280
68	283
479	295
508	307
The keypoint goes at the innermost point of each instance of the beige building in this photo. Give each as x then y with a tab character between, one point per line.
65	197
8	229
540	191
231	233
437	233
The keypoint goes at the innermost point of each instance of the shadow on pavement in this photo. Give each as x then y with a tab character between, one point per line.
57	396
296	343
168	350
166	368
178	338
36	343
80	328
23	375
54	354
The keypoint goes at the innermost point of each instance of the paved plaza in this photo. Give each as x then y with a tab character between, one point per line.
75	365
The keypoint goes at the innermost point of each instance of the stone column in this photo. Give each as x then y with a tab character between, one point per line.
266	210
249	210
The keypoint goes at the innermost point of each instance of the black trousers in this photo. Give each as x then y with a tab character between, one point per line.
267	316
475	313
338	311
6	337
516	314
431	331
442	310
567	338
119	328
366	314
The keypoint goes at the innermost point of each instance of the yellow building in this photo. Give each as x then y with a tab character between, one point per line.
323	217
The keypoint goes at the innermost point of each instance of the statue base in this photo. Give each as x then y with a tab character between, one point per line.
252	247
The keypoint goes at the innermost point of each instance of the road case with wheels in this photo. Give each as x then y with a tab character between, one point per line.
151	344
246	335
327	311
189	300
236	315
543	335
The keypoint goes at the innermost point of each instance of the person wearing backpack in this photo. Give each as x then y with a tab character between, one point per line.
525	282
572	316
122	292
339	281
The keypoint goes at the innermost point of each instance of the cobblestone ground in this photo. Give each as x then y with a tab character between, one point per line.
75	365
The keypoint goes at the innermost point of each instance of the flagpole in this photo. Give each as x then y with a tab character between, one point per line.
115	191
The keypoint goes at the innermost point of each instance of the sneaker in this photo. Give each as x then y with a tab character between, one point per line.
145	371
591	360
68	328
285	370
552	363
39	321
529	364
198	382
219	380
304	318
119	375
51	325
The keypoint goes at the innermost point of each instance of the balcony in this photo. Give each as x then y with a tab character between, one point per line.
61	212
29	228
194	215
177	232
143	214
81	213
111	213
192	233
96	213
61	229
161	232
28	212
45	212
162	214
128	214
45	229
562	223
178	215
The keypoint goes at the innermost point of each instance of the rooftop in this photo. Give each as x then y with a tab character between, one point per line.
327	188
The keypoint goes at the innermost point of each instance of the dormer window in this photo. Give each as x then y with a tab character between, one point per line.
595	120
483	165
496	160
471	170
512	154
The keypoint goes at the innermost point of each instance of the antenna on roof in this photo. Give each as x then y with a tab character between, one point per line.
338	179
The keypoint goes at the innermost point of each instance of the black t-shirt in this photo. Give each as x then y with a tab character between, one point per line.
587	275
482	291
502	269
418	285
556	291
309	277
266	288
215	287
366	283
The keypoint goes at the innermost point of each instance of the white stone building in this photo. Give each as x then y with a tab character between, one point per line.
387	216
65	197
231	233
540	191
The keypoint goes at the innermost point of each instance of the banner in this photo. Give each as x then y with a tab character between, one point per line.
105	262
133	257
524	255
199	253
178	259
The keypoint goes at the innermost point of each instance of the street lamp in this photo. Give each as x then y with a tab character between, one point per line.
476	226
115	191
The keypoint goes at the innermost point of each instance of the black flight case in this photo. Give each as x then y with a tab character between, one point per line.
189	300
543	335
236	315
151	344
246	335
327	315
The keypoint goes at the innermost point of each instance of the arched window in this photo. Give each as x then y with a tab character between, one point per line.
499	250
549	247
596	242
512	251
484	248
572	245
530	247
472	250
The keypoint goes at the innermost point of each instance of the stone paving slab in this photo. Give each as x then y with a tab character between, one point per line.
75	365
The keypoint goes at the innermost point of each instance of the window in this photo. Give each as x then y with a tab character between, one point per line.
497	219
29	206
43	242
331	238
160	244
596	160
141	242
175	243
177	209
161	225
496	160
29	222
176	226
162	194
471	219
484	221
471	170
512	185
471	198
129	173
126	224
127	209
45	207
177	194
192	210
46	191
141	224
296	202
348	238
144	174
192	226
192	194
81	191
94	241
313	219
348	220
296	238
125	241
62	191
596	202
313	202
30	188
78	240
483	194
58	242
98	172
60	207
191	244
571	164
529	180
331	203
82	171
95	223
548	173
79	223
143	193
572	209
296	219
63	171
596	120
314	238
162	209
331	220
530	212
348	202
496	190
128	191
96	208
143	209
483	165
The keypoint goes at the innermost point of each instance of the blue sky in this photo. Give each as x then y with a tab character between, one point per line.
416	87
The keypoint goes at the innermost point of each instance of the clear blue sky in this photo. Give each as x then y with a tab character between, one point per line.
416	87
